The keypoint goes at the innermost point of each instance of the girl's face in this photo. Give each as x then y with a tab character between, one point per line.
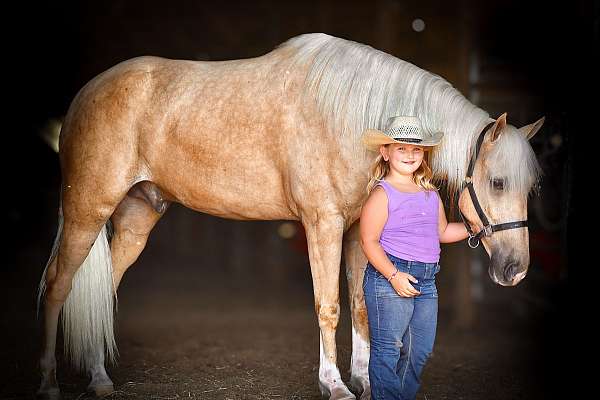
403	158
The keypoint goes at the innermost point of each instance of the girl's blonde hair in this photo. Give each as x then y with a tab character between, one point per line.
422	176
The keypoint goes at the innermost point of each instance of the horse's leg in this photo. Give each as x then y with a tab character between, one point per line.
82	234
49	386
100	383
324	237
132	221
355	271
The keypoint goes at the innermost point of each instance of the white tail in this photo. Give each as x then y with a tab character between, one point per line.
88	313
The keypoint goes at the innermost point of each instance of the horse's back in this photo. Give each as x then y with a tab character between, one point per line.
148	86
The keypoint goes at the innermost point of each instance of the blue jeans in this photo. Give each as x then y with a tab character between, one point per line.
402	329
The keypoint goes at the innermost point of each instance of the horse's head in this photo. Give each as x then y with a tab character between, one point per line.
504	173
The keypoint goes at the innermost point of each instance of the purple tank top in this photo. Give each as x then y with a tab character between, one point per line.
411	230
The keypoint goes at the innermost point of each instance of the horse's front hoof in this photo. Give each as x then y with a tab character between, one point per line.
360	385
48	394
337	392
341	393
101	390
366	394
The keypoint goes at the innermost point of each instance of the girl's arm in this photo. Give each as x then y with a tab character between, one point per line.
372	220
450	232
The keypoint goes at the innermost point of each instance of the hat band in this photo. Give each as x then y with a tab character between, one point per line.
409	140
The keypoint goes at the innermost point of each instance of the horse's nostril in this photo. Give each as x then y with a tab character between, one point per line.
510	271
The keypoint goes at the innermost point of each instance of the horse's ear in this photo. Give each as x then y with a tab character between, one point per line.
498	127
530	130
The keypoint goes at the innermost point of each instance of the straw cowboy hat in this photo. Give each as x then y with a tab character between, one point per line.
401	129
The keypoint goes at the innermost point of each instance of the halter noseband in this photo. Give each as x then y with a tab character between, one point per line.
488	228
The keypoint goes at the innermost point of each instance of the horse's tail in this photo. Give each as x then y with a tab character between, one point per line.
88	312
51	133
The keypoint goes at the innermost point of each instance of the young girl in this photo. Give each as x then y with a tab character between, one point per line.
401	226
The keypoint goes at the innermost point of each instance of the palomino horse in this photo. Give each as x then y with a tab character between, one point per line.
273	137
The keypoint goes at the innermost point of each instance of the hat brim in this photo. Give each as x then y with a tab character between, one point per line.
372	139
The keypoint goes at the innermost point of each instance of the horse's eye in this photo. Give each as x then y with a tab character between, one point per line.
498	183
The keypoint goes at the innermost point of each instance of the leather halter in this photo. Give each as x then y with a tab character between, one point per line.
488	228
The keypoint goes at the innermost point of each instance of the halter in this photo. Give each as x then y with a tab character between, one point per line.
488	228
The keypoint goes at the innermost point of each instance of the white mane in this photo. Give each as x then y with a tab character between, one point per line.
357	87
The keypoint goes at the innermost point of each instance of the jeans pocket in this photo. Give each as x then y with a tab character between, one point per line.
383	288
428	289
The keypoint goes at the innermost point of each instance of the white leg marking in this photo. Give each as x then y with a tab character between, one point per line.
48	387
330	380
100	383
359	363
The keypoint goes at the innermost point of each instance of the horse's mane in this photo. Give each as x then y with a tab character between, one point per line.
358	87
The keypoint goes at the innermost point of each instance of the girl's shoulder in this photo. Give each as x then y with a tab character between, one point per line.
435	193
381	189
378	195
376	204
378	190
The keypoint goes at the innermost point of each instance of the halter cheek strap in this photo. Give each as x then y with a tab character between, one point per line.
488	229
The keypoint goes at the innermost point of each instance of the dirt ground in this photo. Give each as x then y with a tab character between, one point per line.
193	332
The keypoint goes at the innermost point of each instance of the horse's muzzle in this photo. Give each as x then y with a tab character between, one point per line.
506	271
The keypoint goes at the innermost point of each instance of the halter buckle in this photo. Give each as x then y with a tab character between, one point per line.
487	230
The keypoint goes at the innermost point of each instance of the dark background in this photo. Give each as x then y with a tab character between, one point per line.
526	58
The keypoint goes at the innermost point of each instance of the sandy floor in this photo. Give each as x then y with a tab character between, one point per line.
192	332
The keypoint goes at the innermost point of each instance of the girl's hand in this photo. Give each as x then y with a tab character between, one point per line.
400	282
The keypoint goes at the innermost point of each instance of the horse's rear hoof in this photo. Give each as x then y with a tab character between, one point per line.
49	394
101	390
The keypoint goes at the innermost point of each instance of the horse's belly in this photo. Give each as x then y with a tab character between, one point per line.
245	195
242	207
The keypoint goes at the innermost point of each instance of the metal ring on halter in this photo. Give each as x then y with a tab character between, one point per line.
469	242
